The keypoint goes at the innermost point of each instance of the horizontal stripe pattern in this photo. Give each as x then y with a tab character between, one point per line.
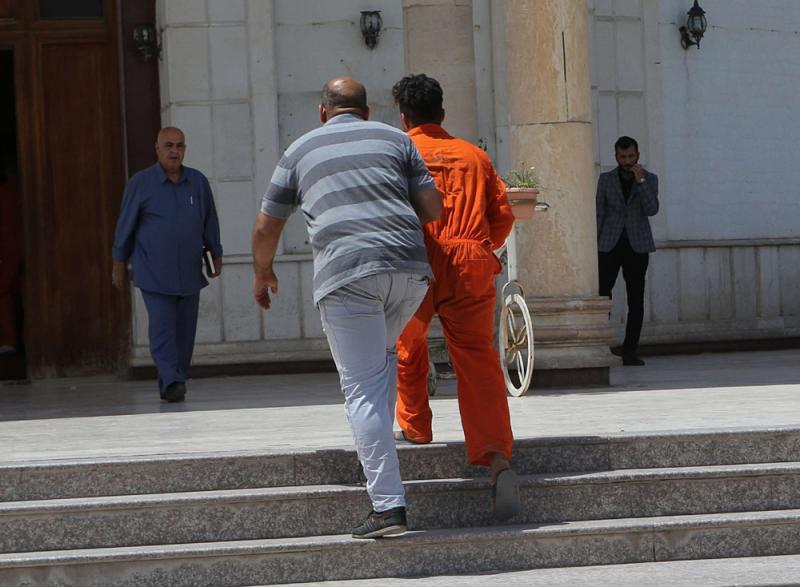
353	180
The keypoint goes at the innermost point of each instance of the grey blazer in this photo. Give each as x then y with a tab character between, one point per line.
613	214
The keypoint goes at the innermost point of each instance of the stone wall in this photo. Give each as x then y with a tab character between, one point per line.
713	124
242	78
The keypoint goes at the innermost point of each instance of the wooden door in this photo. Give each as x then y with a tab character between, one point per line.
71	163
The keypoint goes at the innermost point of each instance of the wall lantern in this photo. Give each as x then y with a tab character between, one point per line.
371	23
695	27
144	35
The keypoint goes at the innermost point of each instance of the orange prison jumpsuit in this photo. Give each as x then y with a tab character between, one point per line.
476	220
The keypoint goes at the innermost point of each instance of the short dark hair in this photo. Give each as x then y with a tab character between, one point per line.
420	98
626	143
331	98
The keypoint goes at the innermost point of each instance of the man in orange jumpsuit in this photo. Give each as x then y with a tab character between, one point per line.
476	220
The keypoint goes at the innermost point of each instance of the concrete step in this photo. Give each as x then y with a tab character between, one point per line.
752	571
425	553
245	514
147	475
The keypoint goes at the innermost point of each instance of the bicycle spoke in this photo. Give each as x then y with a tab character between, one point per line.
509	357
520	365
521	335
510	323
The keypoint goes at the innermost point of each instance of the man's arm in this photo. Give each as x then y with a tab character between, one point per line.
211	238
266	234
423	194
498	211
648	193
427	204
119	274
124	236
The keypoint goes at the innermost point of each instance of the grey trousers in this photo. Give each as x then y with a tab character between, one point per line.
362	321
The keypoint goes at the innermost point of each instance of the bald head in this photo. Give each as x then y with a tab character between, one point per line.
170	130
343	95
170	148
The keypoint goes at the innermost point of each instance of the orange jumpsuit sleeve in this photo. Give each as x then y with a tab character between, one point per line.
498	210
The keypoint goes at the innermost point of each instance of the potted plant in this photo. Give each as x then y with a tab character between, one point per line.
522	192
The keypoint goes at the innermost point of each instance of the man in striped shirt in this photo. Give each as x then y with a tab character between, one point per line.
365	193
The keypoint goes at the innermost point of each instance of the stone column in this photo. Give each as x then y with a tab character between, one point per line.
550	126
439	43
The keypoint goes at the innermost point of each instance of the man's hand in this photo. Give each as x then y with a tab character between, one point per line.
638	172
266	234
217	266
119	274
263	284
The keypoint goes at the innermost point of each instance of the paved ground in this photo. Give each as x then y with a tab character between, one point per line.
78	418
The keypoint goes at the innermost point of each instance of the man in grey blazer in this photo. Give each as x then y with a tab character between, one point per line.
626	197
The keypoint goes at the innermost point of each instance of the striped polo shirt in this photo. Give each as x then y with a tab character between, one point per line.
353	180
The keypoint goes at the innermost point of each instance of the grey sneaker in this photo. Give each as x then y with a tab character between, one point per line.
379	524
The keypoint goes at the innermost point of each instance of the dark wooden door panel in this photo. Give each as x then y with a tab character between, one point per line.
81	181
69	119
10	14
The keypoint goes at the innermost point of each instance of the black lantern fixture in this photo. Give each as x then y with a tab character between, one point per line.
144	35
371	23
695	27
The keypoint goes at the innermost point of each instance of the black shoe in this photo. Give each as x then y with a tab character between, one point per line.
632	361
380	524
617	350
175	392
505	495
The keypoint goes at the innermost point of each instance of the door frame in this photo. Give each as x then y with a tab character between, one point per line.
138	121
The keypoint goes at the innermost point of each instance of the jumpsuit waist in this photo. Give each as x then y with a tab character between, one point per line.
450	245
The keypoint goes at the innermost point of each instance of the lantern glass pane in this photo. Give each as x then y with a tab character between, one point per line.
697	24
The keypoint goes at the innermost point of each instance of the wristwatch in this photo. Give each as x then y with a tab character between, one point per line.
641	180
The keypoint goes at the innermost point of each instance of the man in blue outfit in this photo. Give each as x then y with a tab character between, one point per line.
167	218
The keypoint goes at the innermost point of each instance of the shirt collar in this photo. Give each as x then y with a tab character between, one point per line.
346	117
162	175
430	129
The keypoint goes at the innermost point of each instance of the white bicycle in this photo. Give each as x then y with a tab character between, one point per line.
515	325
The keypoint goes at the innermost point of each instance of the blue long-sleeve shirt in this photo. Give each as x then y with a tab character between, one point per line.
162	228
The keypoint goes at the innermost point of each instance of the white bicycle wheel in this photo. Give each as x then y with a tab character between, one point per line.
432	380
515	342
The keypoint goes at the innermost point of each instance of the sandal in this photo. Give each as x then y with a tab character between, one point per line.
505	495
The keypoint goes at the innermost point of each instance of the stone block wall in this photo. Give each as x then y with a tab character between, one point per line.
712	124
242	78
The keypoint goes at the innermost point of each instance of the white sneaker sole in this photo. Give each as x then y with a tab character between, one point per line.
388	531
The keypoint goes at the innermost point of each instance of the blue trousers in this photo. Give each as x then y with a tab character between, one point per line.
172	327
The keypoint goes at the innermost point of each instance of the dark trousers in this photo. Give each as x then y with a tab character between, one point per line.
634	269
172	324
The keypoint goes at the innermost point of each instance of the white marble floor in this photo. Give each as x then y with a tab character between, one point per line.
106	417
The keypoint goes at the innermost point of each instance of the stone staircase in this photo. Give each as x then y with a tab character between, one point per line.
244	519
